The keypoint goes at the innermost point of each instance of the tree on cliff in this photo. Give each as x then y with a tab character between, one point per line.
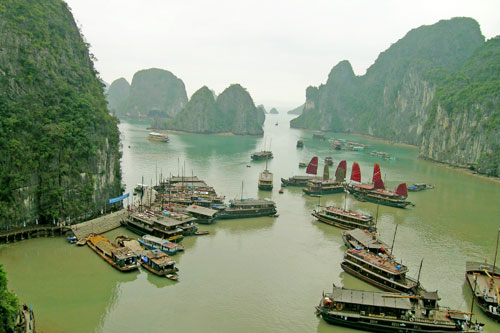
8	305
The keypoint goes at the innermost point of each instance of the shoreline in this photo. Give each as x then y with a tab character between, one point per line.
192	133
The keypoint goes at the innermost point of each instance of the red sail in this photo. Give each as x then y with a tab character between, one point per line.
402	190
341	171
379	184
312	167
376	173
356	172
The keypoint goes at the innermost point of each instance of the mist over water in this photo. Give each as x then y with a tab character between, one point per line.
263	274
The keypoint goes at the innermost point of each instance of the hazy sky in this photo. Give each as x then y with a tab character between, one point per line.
275	49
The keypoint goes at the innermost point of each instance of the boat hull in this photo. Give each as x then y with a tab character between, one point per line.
324	191
376	324
361	275
341	224
127	268
245	213
265	187
364	197
159	273
476	298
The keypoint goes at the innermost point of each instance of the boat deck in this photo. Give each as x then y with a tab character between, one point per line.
382	262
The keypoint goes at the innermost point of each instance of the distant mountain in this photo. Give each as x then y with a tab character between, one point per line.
436	88
155	93
117	95
232	112
273	111
298	110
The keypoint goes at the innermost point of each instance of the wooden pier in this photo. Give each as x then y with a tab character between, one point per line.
32	232
99	225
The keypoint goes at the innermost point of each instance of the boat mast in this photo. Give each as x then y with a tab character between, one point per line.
345	200
473	296
241	190
394	238
376	221
495	260
418	278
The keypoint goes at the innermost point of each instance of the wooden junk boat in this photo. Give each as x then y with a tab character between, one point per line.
391	312
158	263
265	180
245	208
376	191
262	155
358	238
379	269
344	219
156	243
121	258
484	282
325	185
300	181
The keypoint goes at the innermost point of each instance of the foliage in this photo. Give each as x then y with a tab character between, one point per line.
8	305
56	134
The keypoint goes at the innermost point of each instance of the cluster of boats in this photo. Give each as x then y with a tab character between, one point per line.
383	155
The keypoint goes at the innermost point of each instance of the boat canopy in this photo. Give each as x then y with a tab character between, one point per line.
366	239
372	298
201	210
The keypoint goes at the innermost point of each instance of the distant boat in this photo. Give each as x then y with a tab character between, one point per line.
420	187
297	180
265	180
276	124
302	164
245	208
320	137
262	155
300	143
158	263
344	219
329	160
153	136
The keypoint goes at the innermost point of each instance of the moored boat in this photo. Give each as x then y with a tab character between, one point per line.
320	187
484	282
302	164
391	312
344	219
300	181
159	263
329	160
154	136
262	155
420	187
156	243
265	181
120	258
246	208
203	215
362	238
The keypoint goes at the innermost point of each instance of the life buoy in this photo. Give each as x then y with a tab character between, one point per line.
339	306
412	319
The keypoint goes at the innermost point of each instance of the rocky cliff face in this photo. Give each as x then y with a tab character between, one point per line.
60	146
232	112
400	98
117	94
155	93
464	120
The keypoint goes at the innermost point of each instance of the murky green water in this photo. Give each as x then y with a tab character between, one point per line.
257	275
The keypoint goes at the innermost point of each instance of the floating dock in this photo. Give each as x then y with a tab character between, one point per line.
99	225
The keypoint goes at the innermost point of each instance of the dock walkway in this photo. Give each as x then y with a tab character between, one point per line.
99	225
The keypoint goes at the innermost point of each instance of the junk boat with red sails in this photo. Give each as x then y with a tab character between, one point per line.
484	282
376	192
326	185
392	312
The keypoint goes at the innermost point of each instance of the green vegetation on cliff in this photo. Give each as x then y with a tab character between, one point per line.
471	92
8	305
60	146
154	93
117	94
232	112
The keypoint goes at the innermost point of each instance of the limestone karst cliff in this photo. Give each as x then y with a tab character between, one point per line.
233	111
60	146
399	96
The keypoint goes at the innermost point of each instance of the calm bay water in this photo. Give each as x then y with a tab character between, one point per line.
265	274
